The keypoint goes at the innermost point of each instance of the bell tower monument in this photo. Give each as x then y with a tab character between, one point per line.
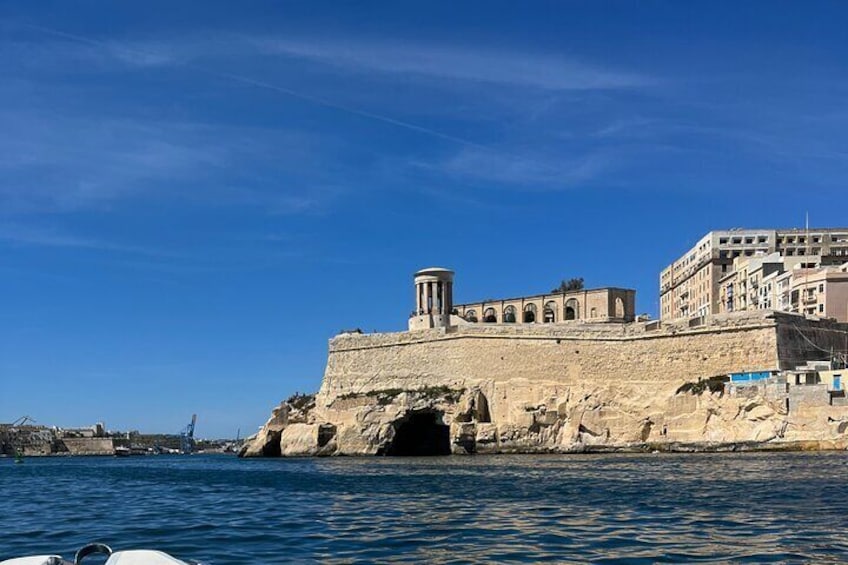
433	299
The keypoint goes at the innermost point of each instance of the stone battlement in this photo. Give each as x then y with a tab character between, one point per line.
589	354
742	321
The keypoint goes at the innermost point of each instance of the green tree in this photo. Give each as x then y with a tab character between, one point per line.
569	285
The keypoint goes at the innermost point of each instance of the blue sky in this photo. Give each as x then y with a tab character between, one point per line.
194	197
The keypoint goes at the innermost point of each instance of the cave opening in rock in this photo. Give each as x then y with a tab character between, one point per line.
272	447
421	433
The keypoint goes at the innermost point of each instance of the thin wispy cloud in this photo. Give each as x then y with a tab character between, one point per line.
503	67
31	236
136	52
52	162
537	173
68	162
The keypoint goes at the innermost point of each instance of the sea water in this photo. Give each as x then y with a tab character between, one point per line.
672	508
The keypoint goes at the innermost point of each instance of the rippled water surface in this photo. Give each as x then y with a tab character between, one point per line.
753	508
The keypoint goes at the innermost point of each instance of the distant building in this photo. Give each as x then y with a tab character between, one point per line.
692	285
787	284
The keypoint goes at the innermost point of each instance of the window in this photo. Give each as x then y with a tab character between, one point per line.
821	287
761	239
821	307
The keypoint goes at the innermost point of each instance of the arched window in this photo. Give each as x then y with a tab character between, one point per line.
572	309
530	314
489	316
471	316
550	312
509	315
619	308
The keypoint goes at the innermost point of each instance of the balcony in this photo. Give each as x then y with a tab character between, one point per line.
809	299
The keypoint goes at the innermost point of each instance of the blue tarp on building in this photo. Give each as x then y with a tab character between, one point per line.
749	376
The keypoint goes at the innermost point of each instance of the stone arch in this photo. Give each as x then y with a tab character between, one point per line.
572	309
550	312
490	316
509	316
471	316
419	433
529	314
619	308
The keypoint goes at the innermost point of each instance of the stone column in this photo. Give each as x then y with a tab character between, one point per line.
426	298
434	297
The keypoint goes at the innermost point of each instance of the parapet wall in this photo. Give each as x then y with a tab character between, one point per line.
565	354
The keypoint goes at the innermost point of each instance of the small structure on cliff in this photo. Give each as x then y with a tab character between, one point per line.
450	385
433	299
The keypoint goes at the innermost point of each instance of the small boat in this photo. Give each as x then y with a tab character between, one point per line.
128	557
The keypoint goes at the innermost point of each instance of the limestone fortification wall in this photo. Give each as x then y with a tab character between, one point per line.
568	354
565	387
89	446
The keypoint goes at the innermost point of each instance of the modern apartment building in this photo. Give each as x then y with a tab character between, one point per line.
791	284
690	286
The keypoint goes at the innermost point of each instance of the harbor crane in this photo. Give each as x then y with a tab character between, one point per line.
187	437
15	440
22	421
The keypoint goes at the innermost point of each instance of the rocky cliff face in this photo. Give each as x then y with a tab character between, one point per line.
441	421
556	389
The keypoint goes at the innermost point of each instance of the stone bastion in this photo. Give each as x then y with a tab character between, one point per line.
505	388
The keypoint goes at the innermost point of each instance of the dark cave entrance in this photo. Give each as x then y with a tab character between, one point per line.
421	433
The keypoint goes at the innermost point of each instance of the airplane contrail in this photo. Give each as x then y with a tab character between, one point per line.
269	86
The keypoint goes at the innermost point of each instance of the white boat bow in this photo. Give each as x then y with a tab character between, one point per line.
129	557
